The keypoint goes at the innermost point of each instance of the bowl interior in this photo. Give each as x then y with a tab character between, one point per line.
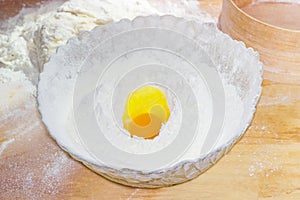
237	72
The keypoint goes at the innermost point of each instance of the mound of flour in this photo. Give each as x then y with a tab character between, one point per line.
32	37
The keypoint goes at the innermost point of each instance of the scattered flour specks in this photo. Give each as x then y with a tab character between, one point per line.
35	177
133	194
263	160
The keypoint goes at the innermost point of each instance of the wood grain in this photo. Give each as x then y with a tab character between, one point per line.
10	8
278	46
263	165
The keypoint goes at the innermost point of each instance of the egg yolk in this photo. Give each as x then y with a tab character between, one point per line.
146	109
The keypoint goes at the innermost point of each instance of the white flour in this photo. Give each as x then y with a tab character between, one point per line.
28	40
32	38
8	77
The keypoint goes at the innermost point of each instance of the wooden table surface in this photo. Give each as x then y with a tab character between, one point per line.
265	164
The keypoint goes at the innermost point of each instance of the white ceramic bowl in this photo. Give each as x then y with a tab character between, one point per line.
230	73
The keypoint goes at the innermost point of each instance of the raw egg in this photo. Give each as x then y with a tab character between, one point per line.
146	110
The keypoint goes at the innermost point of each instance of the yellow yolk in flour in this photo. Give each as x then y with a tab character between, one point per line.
145	111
